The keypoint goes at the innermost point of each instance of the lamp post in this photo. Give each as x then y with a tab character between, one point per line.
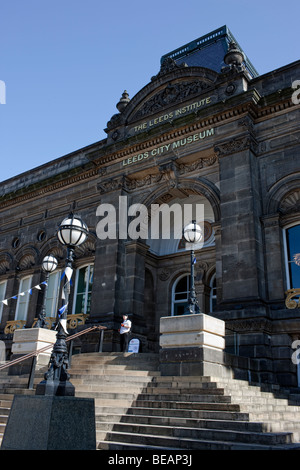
72	232
192	234
49	264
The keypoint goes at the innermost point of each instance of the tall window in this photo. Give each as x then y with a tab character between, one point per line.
180	294
2	296
83	289
213	293
23	298
292	237
52	294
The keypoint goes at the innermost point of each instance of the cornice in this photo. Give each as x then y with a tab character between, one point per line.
10	201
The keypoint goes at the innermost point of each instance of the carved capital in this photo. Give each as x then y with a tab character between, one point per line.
236	145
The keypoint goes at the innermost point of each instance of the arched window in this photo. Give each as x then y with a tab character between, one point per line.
180	294
83	289
292	256
213	293
53	293
2	296
23	298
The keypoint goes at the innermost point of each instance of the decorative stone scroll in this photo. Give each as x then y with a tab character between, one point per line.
73	321
168	173
291	303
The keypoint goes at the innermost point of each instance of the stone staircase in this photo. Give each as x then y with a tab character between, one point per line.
137	408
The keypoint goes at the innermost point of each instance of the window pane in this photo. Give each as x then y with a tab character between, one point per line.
181	295
293	244
84	289
2	296
52	294
179	308
80	303
22	304
182	285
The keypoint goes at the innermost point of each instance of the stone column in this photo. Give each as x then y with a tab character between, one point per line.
241	236
274	256
136	252
109	262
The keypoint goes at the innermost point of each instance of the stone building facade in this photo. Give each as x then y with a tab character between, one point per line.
207	129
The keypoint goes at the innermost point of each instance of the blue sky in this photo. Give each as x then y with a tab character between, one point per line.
66	63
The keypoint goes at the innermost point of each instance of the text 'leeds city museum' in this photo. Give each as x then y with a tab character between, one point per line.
206	130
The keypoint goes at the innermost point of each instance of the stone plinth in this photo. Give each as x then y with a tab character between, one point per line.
50	423
32	339
192	330
29	340
192	345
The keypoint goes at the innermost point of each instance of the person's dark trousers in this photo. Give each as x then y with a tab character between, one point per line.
124	340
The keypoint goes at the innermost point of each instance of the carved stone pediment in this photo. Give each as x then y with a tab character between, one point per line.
171	94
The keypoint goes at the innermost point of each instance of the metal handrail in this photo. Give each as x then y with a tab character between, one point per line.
36	353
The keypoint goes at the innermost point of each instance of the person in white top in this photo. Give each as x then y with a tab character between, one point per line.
124	333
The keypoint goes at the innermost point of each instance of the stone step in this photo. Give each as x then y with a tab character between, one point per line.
100	401
89	390
120	367
118	371
160	390
206	433
169	413
210	422
139	380
18	391
113	439
136	387
211	398
117	358
177	385
110	445
6	396
167	421
186	405
240	387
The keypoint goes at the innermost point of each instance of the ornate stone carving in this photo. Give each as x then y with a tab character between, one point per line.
171	94
291	303
111	185
102	171
249	325
164	274
236	145
26	262
5	263
168	65
291	203
197	165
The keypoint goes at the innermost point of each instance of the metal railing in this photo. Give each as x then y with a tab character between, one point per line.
34	355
